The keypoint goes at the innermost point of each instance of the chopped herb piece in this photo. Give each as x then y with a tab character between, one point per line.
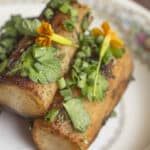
73	12
7	43
86	50
68	9
99	39
70	83
62	83
65	8
2	53
117	52
69	25
3	65
85	23
66	93
108	57
51	115
132	78
81	54
56	3
88	40
81	37
48	13
87	84
114	114
78	114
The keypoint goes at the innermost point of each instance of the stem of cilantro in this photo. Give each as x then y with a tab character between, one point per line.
103	51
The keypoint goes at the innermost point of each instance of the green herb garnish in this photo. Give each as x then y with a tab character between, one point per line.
78	114
69	25
48	13
2	53
117	52
3	65
9	36
66	93
85	23
39	64
65	8
113	114
52	115
86	85
55	4
61	83
29	27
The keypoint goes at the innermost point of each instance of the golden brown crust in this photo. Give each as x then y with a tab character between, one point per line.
122	70
43	94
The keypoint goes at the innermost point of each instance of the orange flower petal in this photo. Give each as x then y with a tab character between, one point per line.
106	27
96	32
45	29
44	41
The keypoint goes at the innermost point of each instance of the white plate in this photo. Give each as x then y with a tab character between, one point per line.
130	130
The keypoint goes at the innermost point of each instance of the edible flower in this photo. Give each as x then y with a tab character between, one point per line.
110	38
106	30
47	35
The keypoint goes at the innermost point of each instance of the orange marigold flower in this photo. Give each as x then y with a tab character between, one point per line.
106	30
47	35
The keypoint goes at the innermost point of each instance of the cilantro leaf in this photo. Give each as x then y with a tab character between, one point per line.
77	113
28	27
8	44
2	53
108	57
38	64
9	29
48	13
51	115
69	24
3	65
117	52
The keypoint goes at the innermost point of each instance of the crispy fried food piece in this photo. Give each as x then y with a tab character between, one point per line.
32	99
61	135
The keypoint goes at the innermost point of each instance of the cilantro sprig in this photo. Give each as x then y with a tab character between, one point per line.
40	64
